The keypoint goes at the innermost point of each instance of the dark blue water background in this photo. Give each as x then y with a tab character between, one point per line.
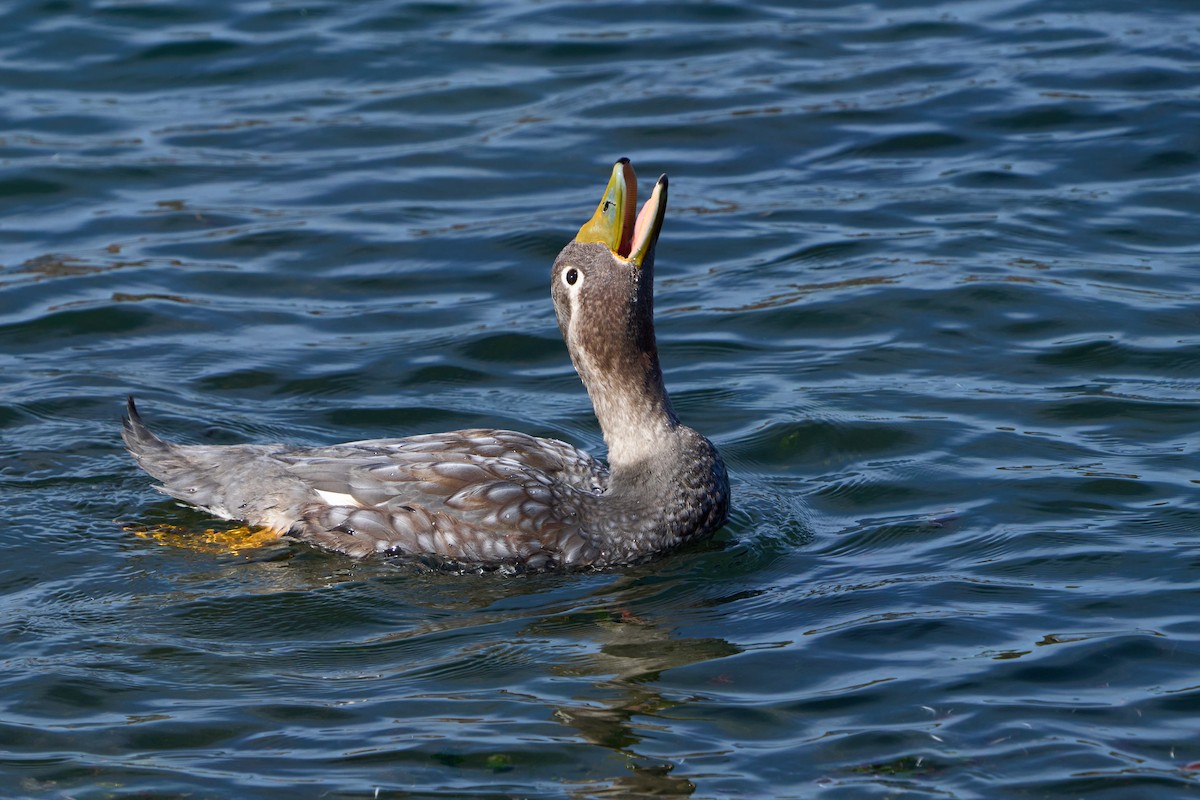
929	279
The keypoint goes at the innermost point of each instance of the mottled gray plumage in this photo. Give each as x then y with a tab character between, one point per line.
493	497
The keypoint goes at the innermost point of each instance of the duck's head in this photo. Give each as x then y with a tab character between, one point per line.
603	281
603	289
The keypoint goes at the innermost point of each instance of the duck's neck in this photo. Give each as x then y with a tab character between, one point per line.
667	483
632	405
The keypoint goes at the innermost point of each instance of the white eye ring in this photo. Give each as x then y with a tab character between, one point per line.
571	276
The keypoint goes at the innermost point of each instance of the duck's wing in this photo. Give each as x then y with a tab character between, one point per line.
474	496
456	506
562	462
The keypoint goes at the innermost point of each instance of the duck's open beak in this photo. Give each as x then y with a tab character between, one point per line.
614	225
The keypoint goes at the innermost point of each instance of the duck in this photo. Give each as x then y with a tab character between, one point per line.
497	499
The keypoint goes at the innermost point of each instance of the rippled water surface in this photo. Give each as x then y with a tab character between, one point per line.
929	279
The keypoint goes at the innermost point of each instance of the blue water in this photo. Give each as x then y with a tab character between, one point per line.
928	279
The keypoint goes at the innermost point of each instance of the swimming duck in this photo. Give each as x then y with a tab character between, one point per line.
493	498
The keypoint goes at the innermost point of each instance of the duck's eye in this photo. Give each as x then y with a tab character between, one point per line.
571	277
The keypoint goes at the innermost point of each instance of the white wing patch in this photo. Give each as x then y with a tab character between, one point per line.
339	499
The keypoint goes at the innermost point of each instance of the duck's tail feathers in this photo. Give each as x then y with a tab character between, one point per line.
231	482
140	440
170	463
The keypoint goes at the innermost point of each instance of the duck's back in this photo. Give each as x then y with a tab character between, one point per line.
470	496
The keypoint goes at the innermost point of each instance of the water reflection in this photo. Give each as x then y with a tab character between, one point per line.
627	653
585	651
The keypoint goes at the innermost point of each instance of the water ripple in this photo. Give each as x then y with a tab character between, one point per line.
928	279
